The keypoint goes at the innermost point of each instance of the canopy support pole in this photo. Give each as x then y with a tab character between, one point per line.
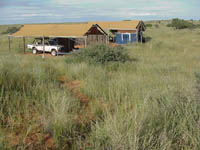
24	40
85	42
137	36
108	38
43	56
68	40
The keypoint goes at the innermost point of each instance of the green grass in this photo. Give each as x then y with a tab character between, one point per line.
151	103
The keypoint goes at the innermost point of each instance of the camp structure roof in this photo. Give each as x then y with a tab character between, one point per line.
116	25
74	30
53	30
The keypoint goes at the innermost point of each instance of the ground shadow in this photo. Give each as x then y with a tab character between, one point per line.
147	39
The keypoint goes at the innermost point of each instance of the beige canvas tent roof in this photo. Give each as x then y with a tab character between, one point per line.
72	30
129	25
53	30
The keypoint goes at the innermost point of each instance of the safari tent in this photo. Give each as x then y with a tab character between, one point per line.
80	35
123	32
67	35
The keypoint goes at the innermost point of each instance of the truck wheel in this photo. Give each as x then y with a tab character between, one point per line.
34	51
53	53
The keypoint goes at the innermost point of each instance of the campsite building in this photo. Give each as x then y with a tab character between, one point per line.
67	35
81	35
123	32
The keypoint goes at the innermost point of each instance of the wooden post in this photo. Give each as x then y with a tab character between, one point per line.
9	47
57	44
107	39
137	35
141	34
85	42
68	44
24	44
97	36
43	56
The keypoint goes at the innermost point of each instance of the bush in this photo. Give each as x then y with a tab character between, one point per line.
181	24
169	25
148	25
156	25
198	26
11	30
103	54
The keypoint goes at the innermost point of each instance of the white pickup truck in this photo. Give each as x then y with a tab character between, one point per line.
49	46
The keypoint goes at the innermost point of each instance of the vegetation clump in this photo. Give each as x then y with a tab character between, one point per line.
181	24
102	54
148	25
156	25
11	30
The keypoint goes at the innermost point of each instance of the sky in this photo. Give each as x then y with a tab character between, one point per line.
55	11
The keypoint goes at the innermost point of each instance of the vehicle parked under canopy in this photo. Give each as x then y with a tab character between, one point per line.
49	45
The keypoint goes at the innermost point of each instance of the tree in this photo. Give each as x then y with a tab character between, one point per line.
181	24
11	30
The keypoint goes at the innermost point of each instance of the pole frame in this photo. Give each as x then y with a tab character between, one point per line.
43	56
85	42
137	36
108	38
24	40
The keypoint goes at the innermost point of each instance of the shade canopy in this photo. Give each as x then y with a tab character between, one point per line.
53	30
75	30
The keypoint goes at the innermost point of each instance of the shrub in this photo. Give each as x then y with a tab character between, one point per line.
11	30
156	25
169	25
103	54
148	25
181	24
127	20
198	26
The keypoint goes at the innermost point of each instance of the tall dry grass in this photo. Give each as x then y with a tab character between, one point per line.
151	103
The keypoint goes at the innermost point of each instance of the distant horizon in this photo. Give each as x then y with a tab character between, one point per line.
63	11
97	20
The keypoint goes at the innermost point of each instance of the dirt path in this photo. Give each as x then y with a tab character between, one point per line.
36	138
73	87
21	135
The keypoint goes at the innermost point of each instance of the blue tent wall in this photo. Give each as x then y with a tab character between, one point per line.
119	39
124	38
133	38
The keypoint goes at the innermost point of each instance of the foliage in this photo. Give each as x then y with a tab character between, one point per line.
148	25
156	25
103	54
11	30
181	24
127	20
197	25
